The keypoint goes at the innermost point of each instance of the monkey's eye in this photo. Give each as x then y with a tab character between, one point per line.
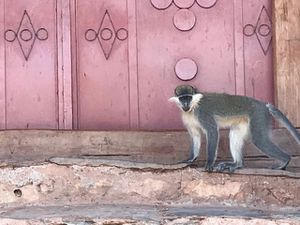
185	98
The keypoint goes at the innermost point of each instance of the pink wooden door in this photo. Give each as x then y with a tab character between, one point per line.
219	46
28	72
125	58
102	71
131	55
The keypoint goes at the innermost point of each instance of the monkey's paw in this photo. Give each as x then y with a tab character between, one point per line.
230	166
209	168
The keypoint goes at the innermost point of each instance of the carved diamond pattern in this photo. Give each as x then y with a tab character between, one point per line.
26	35
262	30
106	34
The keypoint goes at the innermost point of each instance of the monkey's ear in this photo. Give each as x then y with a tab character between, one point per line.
195	90
176	101
173	99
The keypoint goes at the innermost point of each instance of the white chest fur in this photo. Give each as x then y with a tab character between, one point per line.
191	122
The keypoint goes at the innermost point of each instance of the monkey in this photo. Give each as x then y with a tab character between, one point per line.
246	118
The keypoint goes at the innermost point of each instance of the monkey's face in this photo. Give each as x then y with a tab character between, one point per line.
186	98
187	103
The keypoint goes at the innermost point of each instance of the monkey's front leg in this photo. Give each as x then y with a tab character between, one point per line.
194	150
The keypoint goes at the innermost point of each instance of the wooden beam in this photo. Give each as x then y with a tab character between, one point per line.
287	57
132	67
239	60
64	66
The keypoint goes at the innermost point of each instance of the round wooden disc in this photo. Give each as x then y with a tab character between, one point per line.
186	69
184	20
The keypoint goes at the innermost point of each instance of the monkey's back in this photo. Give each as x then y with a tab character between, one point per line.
229	105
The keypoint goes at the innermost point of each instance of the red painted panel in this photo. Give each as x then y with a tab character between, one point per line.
102	72
30	64
161	44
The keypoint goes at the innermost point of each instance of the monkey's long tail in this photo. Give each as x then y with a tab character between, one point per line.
278	115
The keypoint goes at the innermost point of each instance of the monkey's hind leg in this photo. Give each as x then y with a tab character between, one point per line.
261	139
272	150
212	137
237	135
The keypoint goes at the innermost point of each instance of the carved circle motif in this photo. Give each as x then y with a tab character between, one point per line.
264	30
206	4
90	35
186	69
249	30
106	34
26	35
161	4
10	35
184	20
42	34
184	4
122	34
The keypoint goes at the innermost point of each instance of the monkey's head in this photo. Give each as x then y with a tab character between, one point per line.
186	97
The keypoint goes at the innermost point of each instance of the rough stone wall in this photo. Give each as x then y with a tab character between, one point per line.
53	184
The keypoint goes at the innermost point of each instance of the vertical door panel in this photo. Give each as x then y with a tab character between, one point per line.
102	72
168	33
258	53
2	70
30	64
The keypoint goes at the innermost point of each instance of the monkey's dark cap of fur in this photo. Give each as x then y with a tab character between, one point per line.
184	90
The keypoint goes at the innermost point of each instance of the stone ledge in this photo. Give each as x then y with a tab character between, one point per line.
98	161
27	147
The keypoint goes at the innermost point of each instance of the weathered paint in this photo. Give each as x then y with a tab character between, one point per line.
2	71
30	85
120	75
258	53
227	60
102	71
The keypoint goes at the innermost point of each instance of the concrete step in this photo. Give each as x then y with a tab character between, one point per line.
82	188
120	214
